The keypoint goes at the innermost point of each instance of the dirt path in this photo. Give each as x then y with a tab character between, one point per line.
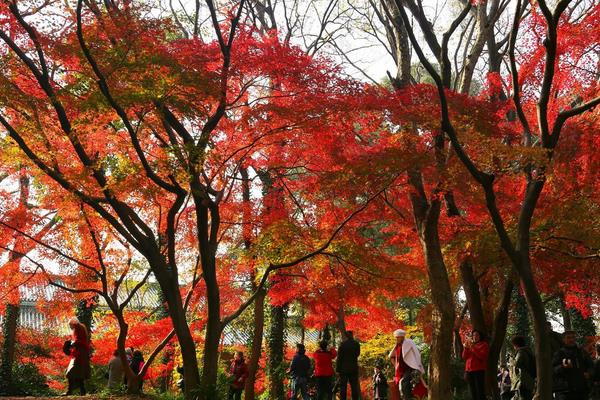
88	397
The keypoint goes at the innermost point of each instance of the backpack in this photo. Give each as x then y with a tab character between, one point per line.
67	347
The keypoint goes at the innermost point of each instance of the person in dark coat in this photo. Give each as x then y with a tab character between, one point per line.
523	371
299	371
347	366
380	385
324	370
572	369
79	350
238	373
137	363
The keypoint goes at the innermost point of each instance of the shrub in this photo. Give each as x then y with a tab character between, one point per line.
27	381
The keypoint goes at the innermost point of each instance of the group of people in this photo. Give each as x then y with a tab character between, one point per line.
116	371
404	357
346	367
575	374
78	348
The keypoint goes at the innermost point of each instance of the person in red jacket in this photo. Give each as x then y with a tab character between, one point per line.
324	370
79	350
238	372
476	356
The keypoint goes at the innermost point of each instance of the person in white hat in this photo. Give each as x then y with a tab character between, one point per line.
406	359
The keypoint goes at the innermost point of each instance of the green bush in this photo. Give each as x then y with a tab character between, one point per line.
27	381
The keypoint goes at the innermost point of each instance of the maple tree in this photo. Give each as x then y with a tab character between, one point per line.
22	215
239	171
139	115
552	117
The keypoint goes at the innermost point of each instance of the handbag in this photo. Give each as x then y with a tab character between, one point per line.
67	347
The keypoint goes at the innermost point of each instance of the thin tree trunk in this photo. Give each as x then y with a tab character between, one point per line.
542	341
566	315
472	293
133	380
212	337
340	322
259	302
276	342
522	315
257	339
442	320
497	339
9	330
163	312
426	215
184	335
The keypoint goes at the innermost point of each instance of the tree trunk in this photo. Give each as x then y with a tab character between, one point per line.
442	320
522	316
212	337
566	315
483	30
302	328
133	386
259	302
9	330
170	290
443	305
426	215
472	293
276	342
188	355
542	341
498	336
340	322
257	339
167	357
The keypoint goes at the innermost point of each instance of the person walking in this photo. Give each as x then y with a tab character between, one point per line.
299	371
238	373
79	350
572	369
380	385
347	366
115	371
475	354
523	370
324	370
408	368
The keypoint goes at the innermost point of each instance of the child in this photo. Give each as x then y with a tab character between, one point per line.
380	385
